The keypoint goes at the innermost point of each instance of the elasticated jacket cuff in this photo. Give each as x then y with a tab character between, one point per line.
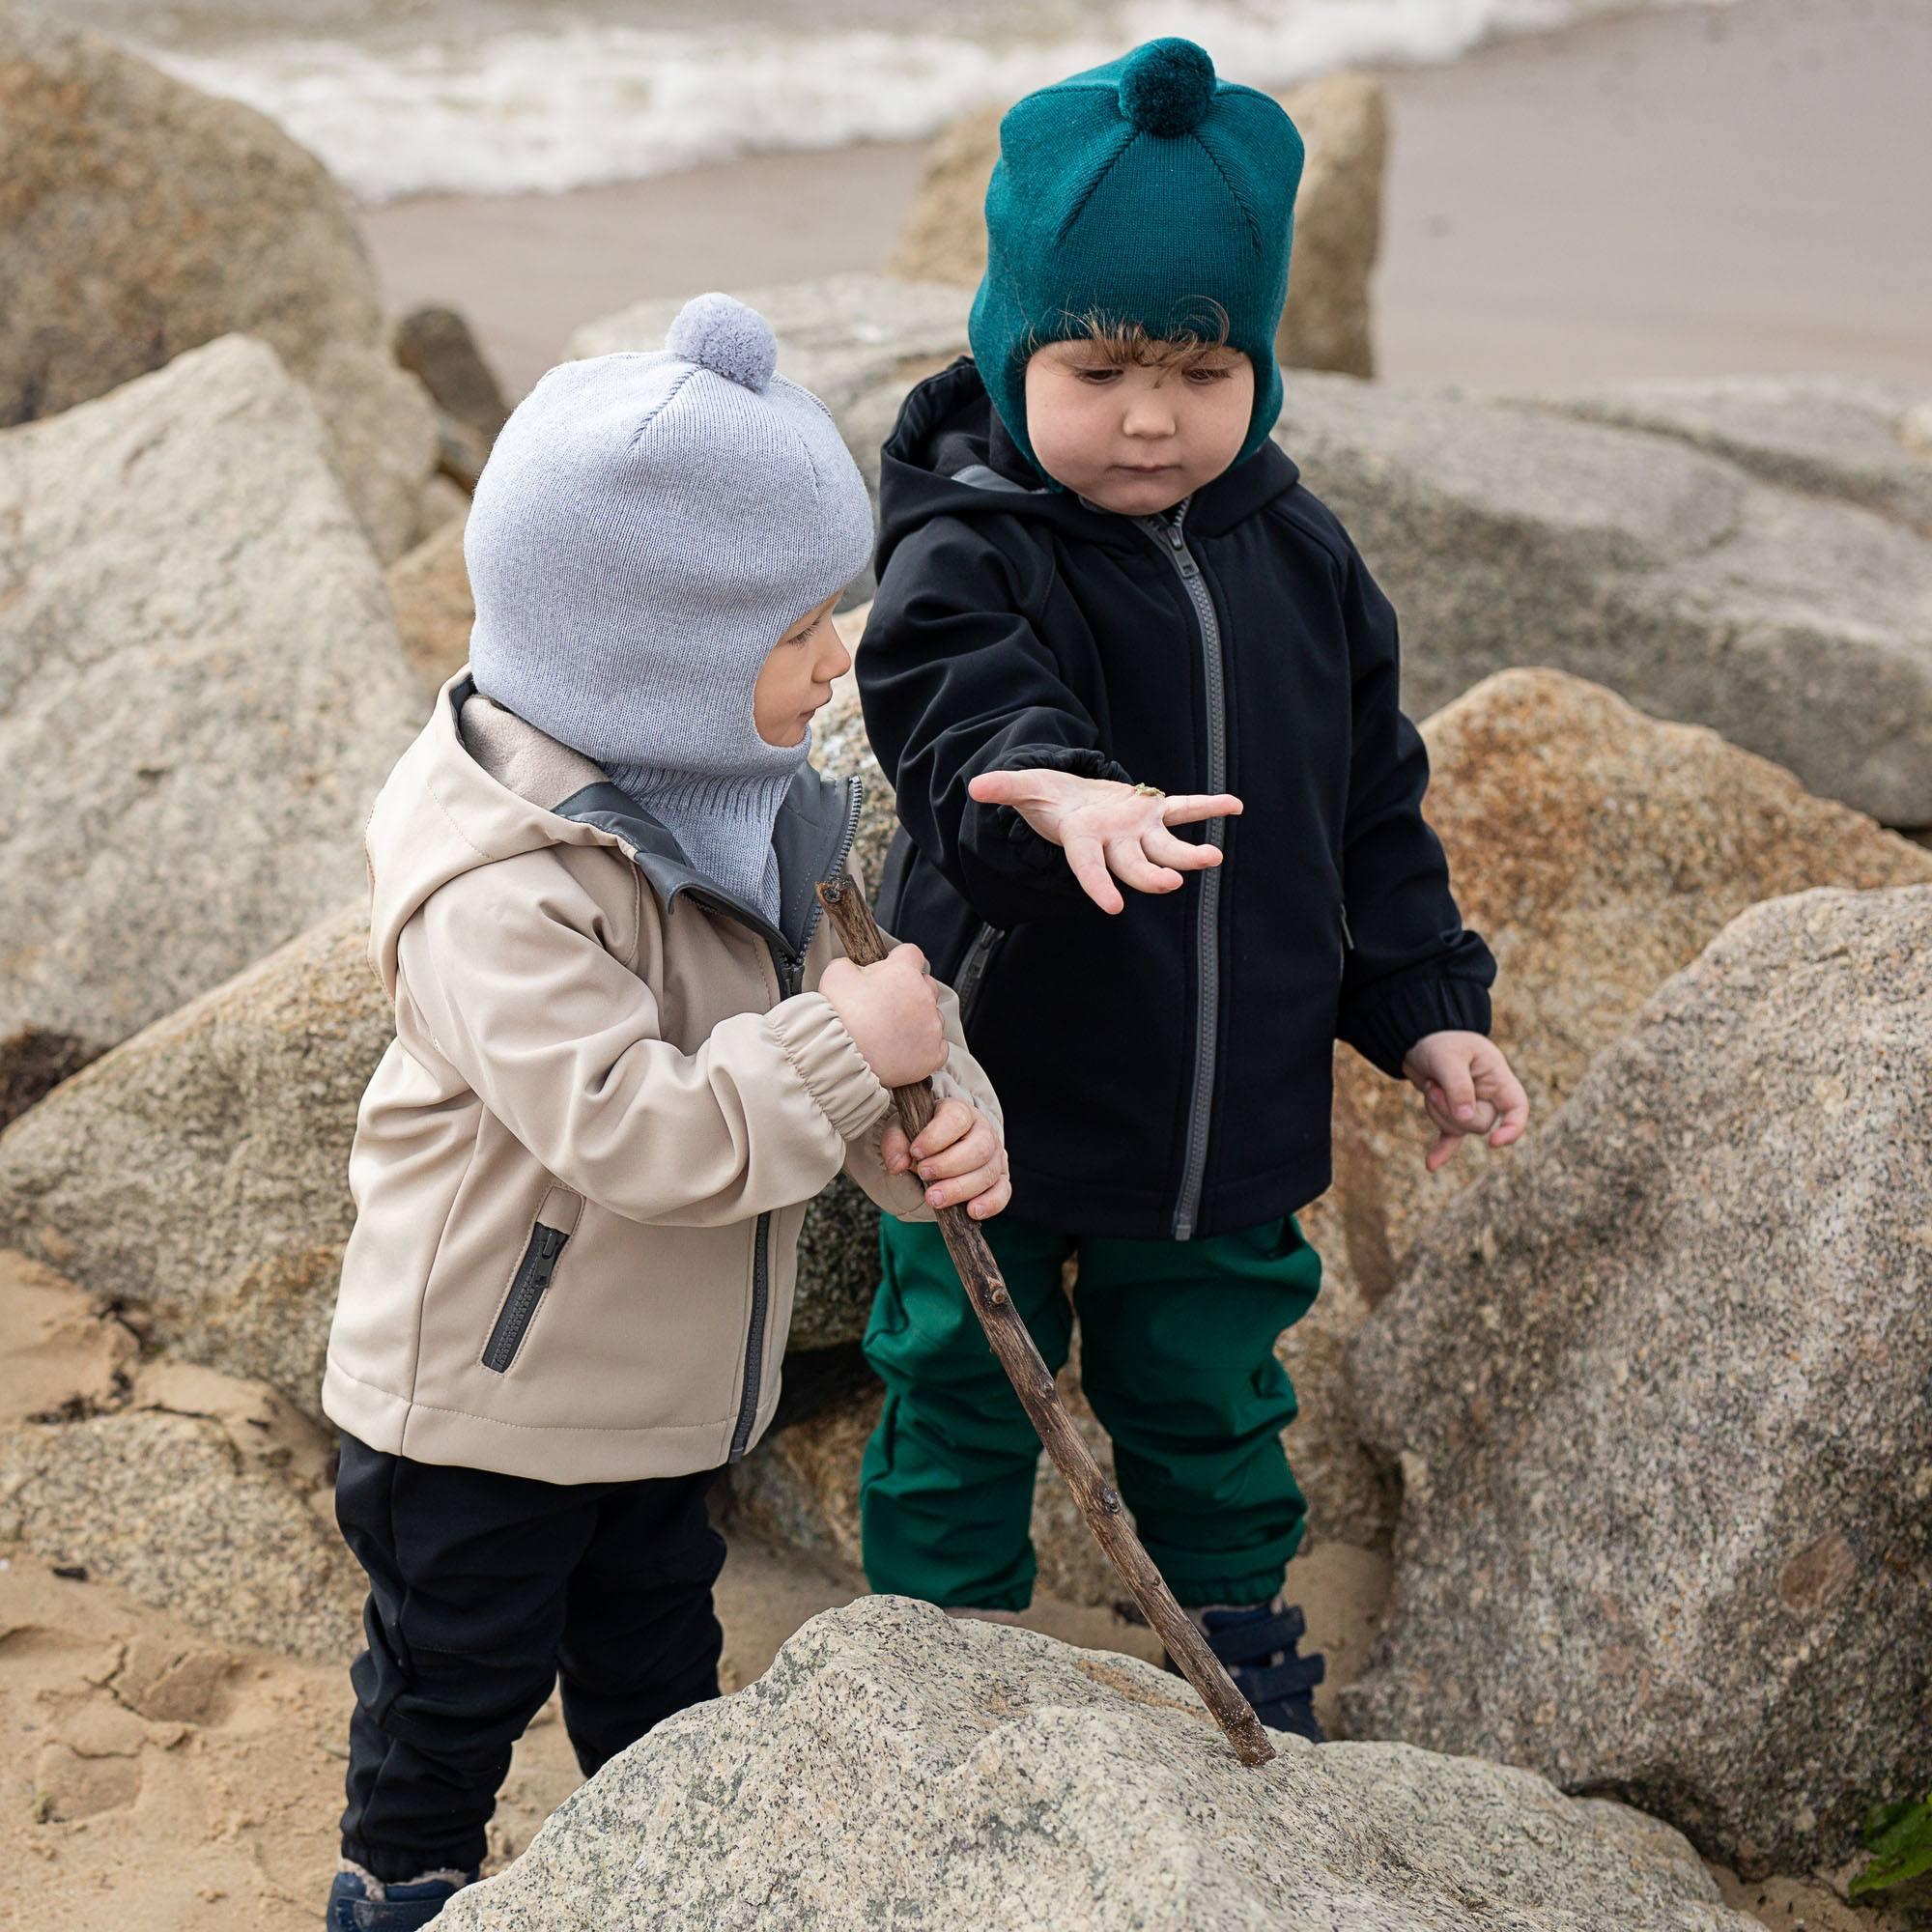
1384	1021
836	1073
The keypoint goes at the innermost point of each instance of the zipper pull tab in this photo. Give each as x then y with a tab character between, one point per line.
1174	533
550	1245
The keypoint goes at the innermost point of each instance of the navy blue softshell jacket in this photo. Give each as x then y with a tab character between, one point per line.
1166	1072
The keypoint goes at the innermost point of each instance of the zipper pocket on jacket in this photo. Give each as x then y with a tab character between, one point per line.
527	1290
972	980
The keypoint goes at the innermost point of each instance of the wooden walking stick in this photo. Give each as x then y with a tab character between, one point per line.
1098	1500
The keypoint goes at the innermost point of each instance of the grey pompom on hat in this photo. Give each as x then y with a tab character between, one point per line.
647	526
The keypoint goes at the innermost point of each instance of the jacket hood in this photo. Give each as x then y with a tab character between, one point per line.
480	785
951	454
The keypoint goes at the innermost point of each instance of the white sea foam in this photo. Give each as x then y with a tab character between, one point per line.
558	104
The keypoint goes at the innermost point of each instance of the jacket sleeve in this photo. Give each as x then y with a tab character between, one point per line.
954	681
1409	966
508	971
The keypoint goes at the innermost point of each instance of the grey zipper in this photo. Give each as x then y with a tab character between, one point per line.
526	1290
972	977
790	967
1168	534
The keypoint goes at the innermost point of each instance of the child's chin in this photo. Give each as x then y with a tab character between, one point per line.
1139	495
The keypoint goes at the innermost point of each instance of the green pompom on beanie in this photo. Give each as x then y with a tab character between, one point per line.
1143	191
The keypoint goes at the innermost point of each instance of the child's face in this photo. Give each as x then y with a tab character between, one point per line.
1136	438
796	680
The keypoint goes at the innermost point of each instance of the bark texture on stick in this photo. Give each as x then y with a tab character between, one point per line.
1098	1500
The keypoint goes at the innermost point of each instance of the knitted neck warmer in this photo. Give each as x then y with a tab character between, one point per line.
722	821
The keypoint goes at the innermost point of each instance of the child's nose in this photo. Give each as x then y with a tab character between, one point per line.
1148	415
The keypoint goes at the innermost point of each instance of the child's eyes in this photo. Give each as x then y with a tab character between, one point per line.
1205	375
800	637
1099	377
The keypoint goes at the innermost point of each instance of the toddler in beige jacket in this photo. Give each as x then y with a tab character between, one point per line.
627	1056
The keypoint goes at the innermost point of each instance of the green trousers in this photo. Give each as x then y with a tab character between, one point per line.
1176	1357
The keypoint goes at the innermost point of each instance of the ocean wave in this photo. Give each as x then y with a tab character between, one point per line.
569	104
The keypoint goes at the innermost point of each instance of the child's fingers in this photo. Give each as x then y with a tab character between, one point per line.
1459	1093
967	1154
1005	787
951	1119
894	1156
1446	1144
1165	849
1089	864
1132	867
966	1187
1189	807
1513	1112
993	1201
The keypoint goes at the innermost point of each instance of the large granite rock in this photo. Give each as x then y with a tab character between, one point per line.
169	1507
1853	436
1598	851
200	691
1343	121
1338	224
199	1172
434	608
897	1767
140	218
1785	619
1661	1392
858	342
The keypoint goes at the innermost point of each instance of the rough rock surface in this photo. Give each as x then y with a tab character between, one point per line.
965	1774
140	218
1598	851
1338	224
168	1507
858	342
1661	1392
200	1171
1840	435
1786	620
1344	120
200	691
430	588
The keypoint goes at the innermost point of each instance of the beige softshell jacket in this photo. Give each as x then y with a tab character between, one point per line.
581	1166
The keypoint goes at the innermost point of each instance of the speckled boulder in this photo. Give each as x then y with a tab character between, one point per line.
1597	851
1851	437
168	1508
140	218
1661	1394
895	1767
201	690
1785	619
200	1171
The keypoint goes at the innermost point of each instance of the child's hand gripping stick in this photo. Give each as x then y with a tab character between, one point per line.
1098	1501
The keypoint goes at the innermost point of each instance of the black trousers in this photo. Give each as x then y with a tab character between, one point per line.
483	1589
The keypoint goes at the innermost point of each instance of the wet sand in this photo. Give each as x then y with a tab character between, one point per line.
1732	189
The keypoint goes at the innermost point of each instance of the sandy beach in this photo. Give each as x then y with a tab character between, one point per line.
1711	190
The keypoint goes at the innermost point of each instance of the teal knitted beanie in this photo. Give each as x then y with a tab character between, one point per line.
1143	191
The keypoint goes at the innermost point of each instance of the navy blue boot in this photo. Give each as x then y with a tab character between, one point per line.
359	1902
1256	1645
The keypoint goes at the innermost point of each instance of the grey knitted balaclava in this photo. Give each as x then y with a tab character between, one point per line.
646	529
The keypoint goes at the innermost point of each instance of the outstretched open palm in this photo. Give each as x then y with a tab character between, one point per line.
1111	831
